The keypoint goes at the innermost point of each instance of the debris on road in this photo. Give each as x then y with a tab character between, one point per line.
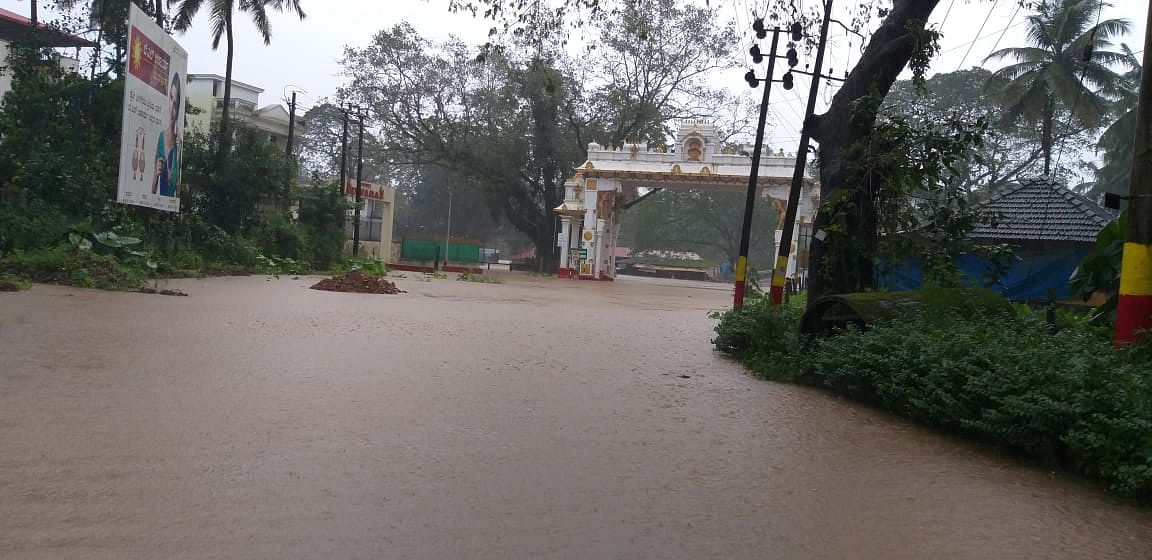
162	292
356	281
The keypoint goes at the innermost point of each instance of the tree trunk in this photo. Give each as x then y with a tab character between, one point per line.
160	13
845	124
1046	141
225	113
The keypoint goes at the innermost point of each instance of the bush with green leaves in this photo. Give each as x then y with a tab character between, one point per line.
59	161
1066	399
70	265
759	332
367	266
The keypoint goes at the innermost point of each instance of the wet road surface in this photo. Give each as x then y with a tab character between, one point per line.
538	418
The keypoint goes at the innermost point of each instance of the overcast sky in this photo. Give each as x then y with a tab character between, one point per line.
306	54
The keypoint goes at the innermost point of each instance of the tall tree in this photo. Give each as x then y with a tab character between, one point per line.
1013	151
1067	66
651	65
320	146
901	40
515	120
707	223
222	13
1116	143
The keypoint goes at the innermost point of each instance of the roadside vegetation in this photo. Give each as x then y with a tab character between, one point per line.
1065	398
59	222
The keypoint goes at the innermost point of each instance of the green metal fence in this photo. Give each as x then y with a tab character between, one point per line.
426	250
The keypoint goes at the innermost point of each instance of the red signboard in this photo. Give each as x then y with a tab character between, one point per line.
149	62
368	191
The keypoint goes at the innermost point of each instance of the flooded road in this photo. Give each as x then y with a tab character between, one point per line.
538	418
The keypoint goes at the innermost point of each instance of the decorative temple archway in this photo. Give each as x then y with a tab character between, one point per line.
594	198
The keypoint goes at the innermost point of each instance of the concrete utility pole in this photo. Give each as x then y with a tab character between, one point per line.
780	273
1134	310
288	149
291	124
344	150
359	178
750	201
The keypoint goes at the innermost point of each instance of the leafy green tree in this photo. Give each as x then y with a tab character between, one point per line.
320	146
222	13
495	121
651	65
59	150
323	212
1053	73
234	196
704	222
517	119
1012	152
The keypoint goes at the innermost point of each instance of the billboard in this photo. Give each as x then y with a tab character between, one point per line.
151	144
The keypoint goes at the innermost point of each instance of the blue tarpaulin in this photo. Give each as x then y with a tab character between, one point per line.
1030	275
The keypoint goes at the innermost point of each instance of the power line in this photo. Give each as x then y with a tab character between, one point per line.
947	13
981	38
981	30
1005	32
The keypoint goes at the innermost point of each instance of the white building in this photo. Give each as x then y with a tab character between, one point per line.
14	26
206	93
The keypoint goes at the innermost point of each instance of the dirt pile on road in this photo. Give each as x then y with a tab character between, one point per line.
357	282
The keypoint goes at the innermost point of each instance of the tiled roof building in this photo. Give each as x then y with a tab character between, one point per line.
1041	210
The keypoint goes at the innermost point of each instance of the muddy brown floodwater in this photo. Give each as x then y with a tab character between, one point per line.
537	418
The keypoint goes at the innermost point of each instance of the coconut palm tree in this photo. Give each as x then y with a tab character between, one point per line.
1067	68
221	13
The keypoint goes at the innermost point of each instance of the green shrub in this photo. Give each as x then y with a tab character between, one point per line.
65	264
1066	399
369	266
759	332
13	283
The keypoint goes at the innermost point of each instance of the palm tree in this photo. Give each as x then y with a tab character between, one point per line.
1052	75
1117	141
221	14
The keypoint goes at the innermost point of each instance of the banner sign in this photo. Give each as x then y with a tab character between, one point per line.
152	141
368	191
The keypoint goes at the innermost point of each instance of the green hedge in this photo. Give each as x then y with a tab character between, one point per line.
1067	399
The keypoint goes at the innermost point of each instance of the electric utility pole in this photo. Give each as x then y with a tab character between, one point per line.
291	123
780	273
753	175
1134	310
359	178
344	151
288	149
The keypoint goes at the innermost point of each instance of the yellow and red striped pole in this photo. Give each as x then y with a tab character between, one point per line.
1135	307
1134	310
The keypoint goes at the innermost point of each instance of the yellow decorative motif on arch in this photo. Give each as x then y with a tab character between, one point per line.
589	166
705	171
676	169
